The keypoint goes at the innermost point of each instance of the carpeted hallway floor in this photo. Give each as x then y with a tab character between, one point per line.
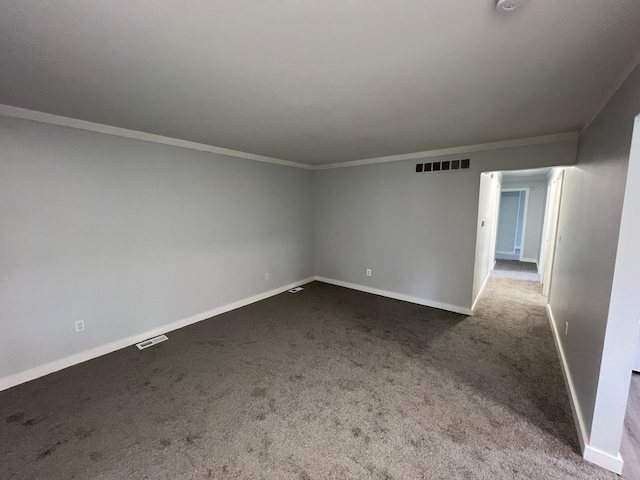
326	383
516	270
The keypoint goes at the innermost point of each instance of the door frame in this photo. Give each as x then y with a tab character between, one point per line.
550	229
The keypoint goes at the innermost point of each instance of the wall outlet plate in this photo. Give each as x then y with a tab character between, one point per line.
79	326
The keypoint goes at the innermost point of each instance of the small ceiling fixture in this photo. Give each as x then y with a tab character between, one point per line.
509	5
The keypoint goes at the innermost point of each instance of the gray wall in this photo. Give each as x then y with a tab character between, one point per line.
130	235
583	273
535	214
417	232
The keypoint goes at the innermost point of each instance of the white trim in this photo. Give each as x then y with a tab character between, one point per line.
529	260
583	438
16	112
506	253
556	185
523	233
592	454
520	142
546	218
397	296
635	61
484	284
33	115
603	459
42	370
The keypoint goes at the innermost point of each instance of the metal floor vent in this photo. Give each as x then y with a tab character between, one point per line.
296	290
151	341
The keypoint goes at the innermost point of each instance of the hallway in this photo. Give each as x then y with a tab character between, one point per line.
529	292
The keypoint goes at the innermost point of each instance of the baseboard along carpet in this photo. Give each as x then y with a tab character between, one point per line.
327	383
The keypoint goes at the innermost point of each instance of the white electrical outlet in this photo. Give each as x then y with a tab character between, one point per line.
267	276
80	326
566	328
368	272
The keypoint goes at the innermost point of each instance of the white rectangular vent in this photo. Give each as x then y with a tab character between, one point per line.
151	341
296	290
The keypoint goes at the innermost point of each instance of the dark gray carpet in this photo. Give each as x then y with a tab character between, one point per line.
516	266
326	383
516	270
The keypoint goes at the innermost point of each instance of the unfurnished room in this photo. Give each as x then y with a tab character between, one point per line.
288	239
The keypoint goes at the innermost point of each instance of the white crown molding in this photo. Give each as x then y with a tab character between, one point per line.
519	142
635	61
23	113
33	115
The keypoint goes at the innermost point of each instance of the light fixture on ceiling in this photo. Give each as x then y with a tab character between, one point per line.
509	5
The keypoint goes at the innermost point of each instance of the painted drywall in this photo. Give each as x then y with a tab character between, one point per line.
416	231
130	236
508	222
488	204
599	345
623	316
534	221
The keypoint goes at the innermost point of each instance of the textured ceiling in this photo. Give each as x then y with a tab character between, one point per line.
318	82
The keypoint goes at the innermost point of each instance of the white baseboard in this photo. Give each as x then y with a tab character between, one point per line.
42	370
529	260
605	460
484	284
397	296
575	407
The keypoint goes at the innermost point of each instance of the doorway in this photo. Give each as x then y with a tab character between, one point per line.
519	196
512	221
